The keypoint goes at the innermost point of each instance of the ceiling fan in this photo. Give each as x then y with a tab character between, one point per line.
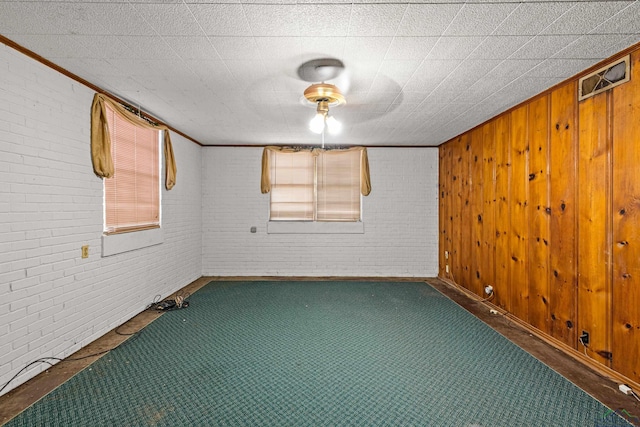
323	95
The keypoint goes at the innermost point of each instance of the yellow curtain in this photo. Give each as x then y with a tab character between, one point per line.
265	181
101	142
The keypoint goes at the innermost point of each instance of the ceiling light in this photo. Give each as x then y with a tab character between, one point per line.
317	123
333	126
324	95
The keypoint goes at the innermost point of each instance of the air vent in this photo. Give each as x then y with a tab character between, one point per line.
605	78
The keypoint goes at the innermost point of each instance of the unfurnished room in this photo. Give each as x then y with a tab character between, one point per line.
319	213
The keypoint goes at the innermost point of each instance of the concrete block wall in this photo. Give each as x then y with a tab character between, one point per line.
400	221
53	302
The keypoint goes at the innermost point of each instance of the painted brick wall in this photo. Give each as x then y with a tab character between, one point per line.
400	220
53	302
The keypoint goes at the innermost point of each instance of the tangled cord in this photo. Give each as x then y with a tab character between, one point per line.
180	301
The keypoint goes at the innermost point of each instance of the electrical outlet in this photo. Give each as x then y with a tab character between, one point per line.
85	251
446	268
584	338
446	254
488	290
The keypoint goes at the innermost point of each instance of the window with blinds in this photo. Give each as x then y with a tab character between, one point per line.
132	194
315	186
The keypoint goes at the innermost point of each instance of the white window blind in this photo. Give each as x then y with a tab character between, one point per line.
338	185
132	195
315	186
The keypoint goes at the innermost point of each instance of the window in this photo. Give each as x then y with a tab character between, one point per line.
132	194
315	185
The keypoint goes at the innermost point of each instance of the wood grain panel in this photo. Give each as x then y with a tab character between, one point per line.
455	270
465	212
562	159
594	230
539	218
626	224
444	168
503	169
475	218
543	204
518	201
488	250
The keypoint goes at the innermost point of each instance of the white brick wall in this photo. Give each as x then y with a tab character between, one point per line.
52	302
400	220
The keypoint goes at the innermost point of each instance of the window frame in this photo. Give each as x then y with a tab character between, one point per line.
349	225
107	230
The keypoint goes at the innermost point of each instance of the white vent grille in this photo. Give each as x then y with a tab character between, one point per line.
605	78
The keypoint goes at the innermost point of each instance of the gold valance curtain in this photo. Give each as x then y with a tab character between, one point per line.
365	180
101	142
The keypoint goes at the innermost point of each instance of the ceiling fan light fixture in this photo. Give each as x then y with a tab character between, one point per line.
324	92
324	95
316	125
333	126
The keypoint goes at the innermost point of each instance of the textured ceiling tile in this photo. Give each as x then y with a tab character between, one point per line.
398	71
445	93
479	19
375	19
170	19
518	91
499	47
628	42
427	19
585	16
323	19
246	73
129	67
541	47
146	47
430	74
531	18
105	47
45	18
497	81
221	19
317	47
470	71
511	69
412	97
123	19
273	19
361	76
595	46
213	74
288	48
627	21
366	48
241	48
560	68
188	47
385	84
410	48
454	47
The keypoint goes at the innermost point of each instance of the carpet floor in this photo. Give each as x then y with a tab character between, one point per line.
318	353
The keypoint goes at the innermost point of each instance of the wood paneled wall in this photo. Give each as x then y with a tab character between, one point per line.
543	204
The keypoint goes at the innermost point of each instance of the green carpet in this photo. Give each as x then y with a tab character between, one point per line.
318	354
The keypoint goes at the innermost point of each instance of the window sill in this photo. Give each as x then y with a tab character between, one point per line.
114	244
309	227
